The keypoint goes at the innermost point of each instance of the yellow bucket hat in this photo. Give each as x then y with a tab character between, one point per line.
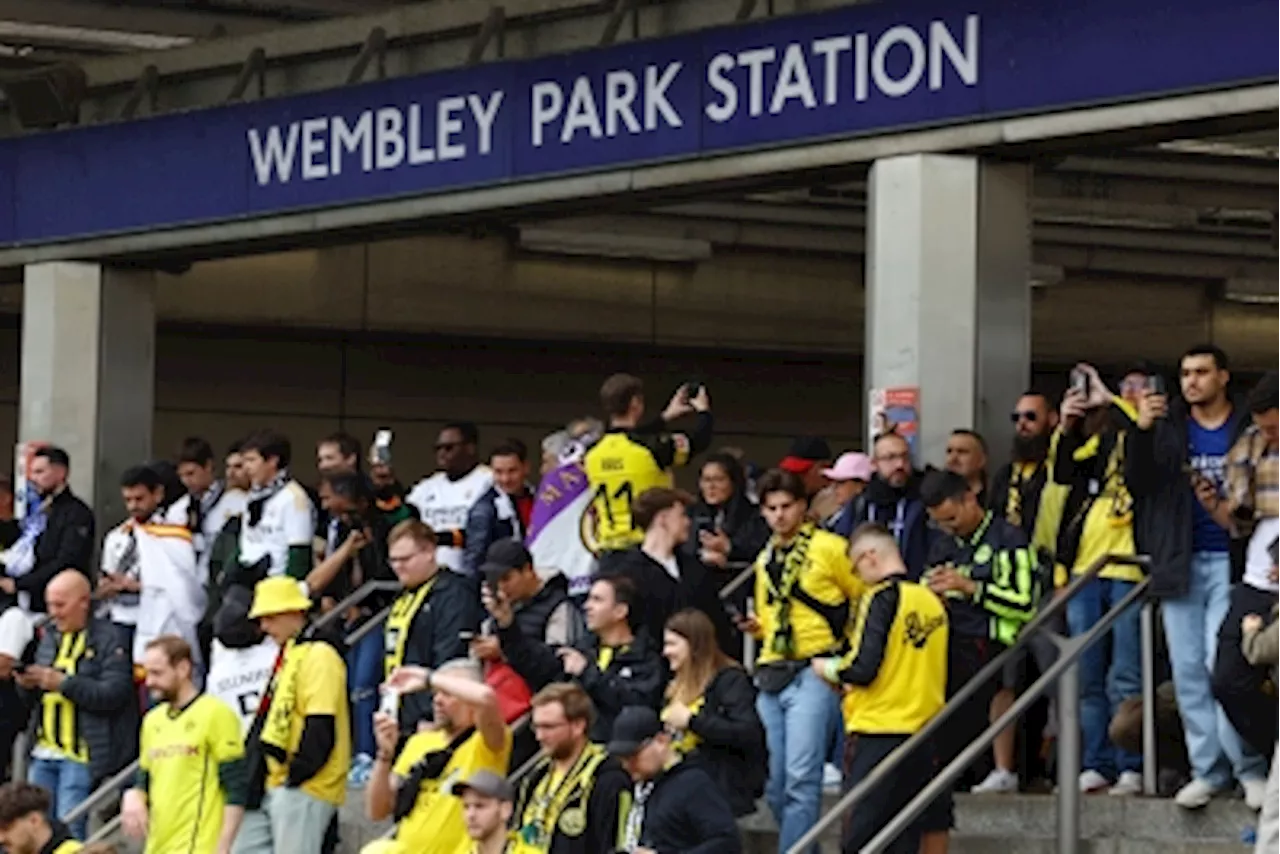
280	595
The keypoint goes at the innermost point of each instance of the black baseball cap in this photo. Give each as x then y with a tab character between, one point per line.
488	784
502	557
632	728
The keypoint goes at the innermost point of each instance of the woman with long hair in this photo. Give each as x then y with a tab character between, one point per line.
711	709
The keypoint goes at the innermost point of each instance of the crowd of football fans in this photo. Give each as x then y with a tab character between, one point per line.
585	658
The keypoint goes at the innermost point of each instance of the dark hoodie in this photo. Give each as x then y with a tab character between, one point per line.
895	509
660	595
739	519
686	814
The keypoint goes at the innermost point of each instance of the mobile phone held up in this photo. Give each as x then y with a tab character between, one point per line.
1079	381
1156	385
381	450
692	388
389	703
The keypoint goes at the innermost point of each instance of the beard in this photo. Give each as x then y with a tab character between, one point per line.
1031	449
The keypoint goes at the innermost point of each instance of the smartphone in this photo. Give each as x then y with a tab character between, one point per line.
466	637
389	704
692	388
1155	384
381	451
1079	381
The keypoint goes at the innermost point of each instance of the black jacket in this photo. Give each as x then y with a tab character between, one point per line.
450	609
661	595
1163	497
606	805
532	616
635	675
732	750
880	502
484	528
103	694
739	519
67	543
686	814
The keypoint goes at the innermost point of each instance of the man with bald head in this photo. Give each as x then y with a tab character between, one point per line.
81	688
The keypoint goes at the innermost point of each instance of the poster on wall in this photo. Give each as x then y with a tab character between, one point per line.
896	409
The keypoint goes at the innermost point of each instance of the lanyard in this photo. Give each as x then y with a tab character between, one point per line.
899	520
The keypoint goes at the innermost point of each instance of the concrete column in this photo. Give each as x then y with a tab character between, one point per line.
948	297
88	372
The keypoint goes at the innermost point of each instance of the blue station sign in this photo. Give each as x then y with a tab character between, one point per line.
869	68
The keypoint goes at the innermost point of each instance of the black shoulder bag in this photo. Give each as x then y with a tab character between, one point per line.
429	767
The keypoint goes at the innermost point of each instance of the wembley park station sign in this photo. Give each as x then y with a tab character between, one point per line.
870	68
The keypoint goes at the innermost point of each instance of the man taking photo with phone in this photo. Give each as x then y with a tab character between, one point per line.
1176	471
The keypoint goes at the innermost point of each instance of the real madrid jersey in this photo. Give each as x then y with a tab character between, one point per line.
288	519
444	505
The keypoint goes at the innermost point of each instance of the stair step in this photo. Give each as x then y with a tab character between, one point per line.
1103	817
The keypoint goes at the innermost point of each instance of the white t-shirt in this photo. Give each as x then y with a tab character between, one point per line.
444	505
16	632
1258	561
288	519
239	677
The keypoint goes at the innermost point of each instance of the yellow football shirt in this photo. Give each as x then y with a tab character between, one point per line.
181	751
313	681
436	826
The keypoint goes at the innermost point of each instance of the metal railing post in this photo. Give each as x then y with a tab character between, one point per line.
1069	759
1150	767
749	644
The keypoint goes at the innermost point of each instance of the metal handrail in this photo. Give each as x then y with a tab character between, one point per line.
101	794
1070	652
748	570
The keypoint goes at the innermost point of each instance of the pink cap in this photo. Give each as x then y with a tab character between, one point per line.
851	466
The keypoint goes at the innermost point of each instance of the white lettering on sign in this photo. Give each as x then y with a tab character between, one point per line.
375	140
894	64
555	116
757	82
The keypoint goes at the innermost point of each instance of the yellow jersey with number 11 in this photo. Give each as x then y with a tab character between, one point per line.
620	467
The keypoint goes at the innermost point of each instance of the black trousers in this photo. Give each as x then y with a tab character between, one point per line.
862	753
966	655
1238	685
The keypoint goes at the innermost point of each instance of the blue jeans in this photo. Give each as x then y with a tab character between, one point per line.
68	783
1191	625
1105	684
364	674
800	724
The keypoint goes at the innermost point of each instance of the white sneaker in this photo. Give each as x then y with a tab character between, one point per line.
832	779
1195	795
1092	781
1130	783
1255	793
998	782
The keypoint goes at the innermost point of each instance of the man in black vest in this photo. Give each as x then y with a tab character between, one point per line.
543	609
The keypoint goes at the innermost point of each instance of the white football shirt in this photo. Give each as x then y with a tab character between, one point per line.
444	505
288	519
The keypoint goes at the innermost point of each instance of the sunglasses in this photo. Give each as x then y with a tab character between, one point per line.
1028	416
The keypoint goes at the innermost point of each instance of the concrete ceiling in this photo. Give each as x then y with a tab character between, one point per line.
39	31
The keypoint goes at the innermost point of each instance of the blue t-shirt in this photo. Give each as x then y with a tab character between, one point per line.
1207	454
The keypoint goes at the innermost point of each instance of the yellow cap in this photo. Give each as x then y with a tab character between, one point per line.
280	595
